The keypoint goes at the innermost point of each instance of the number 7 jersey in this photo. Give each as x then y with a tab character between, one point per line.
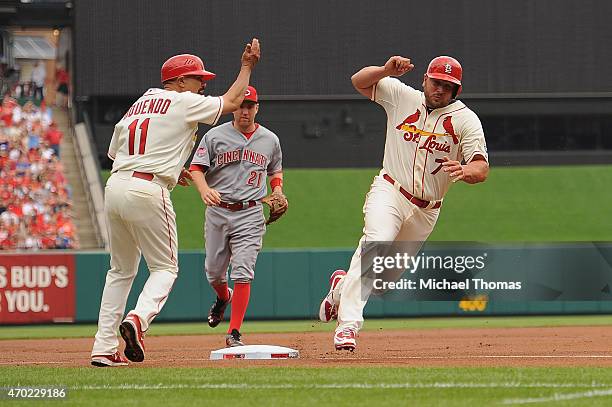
158	132
418	139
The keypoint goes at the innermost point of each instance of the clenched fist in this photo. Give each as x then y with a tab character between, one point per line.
397	66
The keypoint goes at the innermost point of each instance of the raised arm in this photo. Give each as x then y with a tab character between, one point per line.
235	94
364	80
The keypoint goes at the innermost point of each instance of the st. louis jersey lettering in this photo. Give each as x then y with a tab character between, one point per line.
418	140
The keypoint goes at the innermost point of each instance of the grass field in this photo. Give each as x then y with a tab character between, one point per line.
197	328
565	203
359	386
252	385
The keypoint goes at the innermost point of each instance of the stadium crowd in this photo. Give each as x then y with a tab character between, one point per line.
35	199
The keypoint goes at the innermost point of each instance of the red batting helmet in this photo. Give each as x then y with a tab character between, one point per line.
446	69
183	65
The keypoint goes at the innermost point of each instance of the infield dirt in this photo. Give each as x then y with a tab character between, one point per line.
504	347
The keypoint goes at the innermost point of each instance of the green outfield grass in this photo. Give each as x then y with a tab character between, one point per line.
200	328
330	386
564	203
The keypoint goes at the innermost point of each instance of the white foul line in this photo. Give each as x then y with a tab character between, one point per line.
351	358
435	385
560	397
473	357
29	363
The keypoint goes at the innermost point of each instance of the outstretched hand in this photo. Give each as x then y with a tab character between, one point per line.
251	54
397	66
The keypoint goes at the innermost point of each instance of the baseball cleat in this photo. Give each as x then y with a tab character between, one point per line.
328	309
113	360
233	339
215	315
345	339
131	332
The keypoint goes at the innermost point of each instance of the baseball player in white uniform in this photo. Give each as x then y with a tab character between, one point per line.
150	146
230	168
432	140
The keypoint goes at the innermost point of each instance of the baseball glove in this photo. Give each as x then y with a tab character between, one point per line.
278	204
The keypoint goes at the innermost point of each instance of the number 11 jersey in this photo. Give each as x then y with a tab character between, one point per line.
158	132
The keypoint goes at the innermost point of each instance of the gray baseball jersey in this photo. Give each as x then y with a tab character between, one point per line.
237	166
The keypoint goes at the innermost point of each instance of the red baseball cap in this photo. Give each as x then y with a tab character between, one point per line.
251	94
184	65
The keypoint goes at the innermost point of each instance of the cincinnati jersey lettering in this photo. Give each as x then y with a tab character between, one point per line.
237	167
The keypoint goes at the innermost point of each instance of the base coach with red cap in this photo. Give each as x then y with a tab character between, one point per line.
149	147
432	140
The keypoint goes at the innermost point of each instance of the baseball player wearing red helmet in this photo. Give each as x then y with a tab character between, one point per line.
149	147
432	141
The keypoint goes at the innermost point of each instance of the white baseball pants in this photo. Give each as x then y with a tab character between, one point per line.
389	217
141	219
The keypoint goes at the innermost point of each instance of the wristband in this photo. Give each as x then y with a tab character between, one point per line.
276	182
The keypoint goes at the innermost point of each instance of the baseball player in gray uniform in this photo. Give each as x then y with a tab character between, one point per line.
150	145
230	168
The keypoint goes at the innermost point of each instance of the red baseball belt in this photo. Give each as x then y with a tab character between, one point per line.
143	175
418	202
237	206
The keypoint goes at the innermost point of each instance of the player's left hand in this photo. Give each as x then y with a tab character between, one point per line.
278	204
183	179
454	169
397	66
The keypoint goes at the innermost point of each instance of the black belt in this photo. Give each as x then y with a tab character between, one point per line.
237	206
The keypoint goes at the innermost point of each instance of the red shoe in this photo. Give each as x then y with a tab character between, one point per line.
328	309
131	332
109	360
345	339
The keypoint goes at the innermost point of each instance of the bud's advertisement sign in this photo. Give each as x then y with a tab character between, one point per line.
36	288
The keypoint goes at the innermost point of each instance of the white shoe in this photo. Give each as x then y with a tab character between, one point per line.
345	338
328	309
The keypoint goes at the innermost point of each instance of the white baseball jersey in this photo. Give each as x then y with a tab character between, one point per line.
157	133
155	136
418	139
